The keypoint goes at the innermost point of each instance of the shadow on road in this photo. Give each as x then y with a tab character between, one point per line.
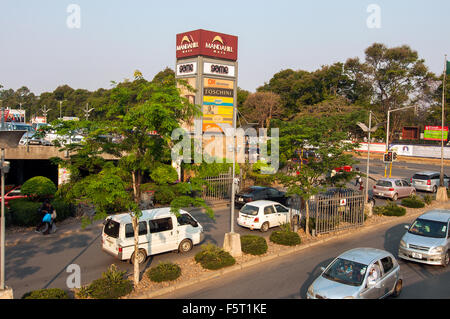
316	272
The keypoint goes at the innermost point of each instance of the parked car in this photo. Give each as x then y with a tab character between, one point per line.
159	231
428	181
347	276
345	168
428	239
264	214
393	188
254	193
13	194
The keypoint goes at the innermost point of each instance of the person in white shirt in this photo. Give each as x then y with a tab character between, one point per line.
374	274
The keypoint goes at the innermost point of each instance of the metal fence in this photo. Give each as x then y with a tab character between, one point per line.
218	187
333	212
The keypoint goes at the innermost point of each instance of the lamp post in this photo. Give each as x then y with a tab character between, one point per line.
441	194
7	139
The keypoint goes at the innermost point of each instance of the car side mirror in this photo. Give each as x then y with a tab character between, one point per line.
194	224
407	227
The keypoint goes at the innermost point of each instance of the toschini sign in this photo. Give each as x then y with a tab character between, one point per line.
207	43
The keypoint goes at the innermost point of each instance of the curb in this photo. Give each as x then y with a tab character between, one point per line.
259	260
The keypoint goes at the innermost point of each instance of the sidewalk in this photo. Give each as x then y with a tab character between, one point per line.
17	236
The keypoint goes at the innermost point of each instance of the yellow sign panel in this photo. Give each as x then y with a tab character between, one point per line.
217	110
216	83
218	100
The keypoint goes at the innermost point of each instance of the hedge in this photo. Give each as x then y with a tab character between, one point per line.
24	212
212	257
286	238
253	245
50	293
111	285
164	272
428	199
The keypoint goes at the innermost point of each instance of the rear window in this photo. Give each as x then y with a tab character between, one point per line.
250	210
112	228
421	176
384	183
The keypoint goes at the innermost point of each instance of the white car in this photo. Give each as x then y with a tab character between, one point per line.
263	214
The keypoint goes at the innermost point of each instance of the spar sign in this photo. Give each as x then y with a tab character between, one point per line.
434	133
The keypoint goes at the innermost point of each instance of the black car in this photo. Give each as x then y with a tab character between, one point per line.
260	193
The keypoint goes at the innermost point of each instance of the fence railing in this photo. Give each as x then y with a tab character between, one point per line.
218	187
335	212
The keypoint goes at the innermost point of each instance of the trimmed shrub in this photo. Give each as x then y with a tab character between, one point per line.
24	212
51	293
286	238
112	285
428	199
253	245
378	210
212	257
392	209
164	272
38	187
413	202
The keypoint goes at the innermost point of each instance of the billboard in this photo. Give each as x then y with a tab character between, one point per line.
17	116
206	43
218	104
434	133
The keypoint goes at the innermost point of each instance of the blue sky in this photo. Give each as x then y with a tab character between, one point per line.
38	50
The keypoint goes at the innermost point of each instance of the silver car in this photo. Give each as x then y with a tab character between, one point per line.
428	239
428	181
360	273
393	188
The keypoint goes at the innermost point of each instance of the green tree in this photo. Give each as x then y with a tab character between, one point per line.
322	135
158	107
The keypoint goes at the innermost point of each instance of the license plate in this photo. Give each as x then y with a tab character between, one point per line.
416	255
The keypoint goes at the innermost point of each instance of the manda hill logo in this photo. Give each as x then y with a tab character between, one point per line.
218	45
187	44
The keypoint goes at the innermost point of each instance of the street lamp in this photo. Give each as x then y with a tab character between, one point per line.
7	139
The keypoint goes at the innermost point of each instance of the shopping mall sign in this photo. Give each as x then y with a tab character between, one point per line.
434	133
206	43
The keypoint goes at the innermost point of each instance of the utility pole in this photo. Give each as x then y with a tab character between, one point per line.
441	194
387	129
87	111
45	112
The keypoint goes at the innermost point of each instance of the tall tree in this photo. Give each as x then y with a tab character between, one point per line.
261	107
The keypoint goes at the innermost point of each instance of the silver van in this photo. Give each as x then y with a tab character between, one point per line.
160	231
428	239
428	181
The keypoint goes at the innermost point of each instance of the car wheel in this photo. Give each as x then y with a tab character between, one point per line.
446	259
141	257
434	189
398	288
185	246
265	227
395	197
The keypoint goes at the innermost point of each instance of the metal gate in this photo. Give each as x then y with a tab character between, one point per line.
330	213
218	187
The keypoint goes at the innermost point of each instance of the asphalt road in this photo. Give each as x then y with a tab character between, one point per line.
290	276
43	262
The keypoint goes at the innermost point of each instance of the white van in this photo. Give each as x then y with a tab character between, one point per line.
159	231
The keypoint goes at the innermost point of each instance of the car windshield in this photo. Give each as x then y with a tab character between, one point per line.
384	183
428	228
346	272
421	176
250	210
